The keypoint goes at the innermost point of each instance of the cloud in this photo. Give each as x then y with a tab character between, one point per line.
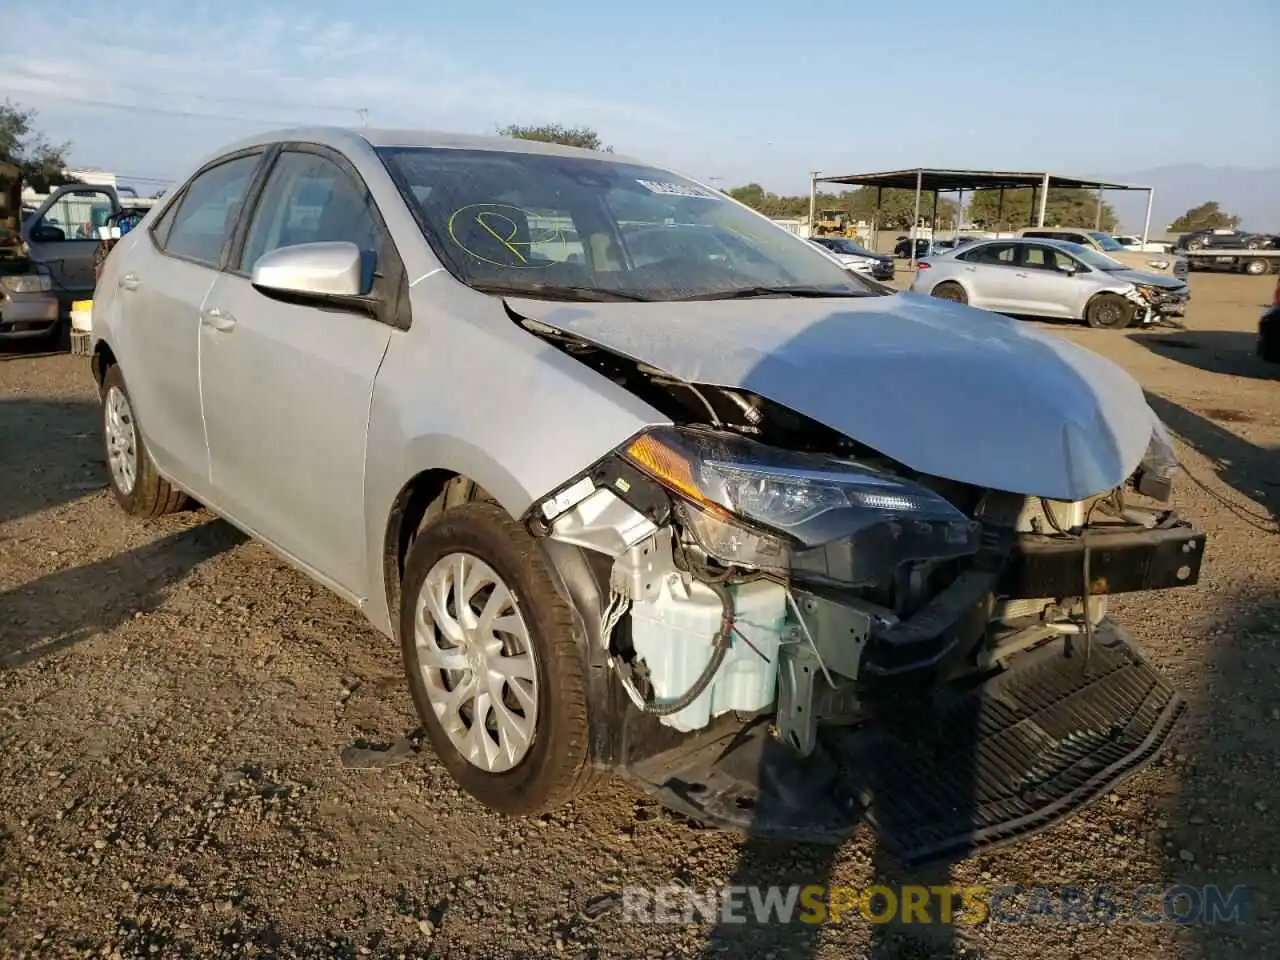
269	68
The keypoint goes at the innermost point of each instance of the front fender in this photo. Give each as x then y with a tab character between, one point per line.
468	391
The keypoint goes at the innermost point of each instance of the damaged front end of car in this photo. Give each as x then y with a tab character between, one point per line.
793	634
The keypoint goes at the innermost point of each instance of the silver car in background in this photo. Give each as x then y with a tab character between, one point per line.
1051	278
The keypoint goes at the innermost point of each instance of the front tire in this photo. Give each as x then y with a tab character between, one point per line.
947	290
1107	311
493	664
137	485
1197	243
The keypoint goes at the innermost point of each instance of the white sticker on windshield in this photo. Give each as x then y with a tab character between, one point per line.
676	189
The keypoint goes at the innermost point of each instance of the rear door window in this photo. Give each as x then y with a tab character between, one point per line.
206	213
997	254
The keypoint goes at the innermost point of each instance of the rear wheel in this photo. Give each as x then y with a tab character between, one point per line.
492	662
137	485
950	291
1253	243
1107	311
1195	243
1256	267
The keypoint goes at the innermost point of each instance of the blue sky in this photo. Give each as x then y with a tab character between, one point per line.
750	90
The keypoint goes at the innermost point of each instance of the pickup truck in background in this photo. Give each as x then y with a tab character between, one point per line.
1134	243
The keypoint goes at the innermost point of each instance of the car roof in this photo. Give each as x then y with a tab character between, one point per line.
1064	245
1089	230
349	138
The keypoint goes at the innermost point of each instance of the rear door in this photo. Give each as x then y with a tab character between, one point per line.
989	271
161	290
286	386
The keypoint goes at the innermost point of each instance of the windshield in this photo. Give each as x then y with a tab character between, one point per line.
1106	242
571	228
845	245
1092	258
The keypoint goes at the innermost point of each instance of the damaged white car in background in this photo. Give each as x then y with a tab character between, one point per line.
643	484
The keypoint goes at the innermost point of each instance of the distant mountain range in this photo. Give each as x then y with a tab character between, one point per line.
1249	193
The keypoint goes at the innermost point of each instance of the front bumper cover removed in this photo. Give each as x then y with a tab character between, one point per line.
976	769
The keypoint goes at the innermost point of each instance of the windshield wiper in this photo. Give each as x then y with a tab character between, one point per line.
746	293
551	291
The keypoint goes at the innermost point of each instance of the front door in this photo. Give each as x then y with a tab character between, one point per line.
286	387
1051	282
63	235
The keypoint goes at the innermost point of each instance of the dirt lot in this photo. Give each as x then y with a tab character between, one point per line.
173	701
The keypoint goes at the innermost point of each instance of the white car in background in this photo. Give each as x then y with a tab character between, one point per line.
1130	242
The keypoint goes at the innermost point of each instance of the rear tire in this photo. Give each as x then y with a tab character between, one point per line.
554	765
1196	243
137	485
1257	267
1108	311
952	292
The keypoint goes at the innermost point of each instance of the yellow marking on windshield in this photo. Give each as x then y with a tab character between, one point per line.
485	216
483	220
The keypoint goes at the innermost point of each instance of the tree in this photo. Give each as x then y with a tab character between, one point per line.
43	165
1207	216
1064	208
583	137
896	206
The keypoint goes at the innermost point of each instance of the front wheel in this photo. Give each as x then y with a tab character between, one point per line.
1107	311
950	291
492	662
136	483
1195	244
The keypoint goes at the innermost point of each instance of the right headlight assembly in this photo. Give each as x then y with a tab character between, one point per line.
1155	474
752	504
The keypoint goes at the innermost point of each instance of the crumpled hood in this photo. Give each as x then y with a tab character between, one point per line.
1162	280
945	389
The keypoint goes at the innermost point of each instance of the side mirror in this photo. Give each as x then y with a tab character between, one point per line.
321	270
1069	268
45	233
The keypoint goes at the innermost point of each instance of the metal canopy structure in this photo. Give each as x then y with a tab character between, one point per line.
937	181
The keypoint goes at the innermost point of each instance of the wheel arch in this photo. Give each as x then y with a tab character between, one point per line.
103	359
968	294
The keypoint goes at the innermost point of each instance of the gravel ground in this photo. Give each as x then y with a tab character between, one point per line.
173	702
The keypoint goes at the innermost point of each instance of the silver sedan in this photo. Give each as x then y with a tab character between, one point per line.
1051	278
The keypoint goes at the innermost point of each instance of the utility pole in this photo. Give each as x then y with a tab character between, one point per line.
364	115
813	200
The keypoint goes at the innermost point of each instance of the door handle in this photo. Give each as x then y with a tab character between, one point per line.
129	281
218	319
1022	275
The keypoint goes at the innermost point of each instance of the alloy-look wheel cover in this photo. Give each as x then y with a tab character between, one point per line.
477	662
122	439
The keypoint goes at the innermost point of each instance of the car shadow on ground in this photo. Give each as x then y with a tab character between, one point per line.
60	609
1246	467
1230	352
1224	836
50	454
